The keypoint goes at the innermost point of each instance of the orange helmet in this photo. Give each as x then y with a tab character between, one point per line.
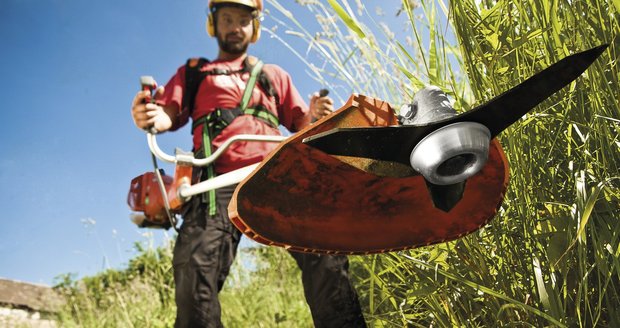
257	5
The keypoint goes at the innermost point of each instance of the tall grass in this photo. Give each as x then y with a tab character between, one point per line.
550	257
141	295
348	57
263	290
563	203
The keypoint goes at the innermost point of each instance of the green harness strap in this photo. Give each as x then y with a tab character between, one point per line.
207	133
249	87
206	145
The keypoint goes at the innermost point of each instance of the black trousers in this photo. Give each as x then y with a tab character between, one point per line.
205	249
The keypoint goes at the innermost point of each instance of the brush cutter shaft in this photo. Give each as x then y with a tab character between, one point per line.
219	181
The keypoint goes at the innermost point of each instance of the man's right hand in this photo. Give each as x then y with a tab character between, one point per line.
148	115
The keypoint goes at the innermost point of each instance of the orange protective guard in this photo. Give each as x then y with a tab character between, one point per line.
305	200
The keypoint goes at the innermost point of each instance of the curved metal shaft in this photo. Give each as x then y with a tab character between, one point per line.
219	181
151	139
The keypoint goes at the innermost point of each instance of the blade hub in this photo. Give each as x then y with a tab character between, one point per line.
453	153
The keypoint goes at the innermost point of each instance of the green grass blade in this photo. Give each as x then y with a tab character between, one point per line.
348	20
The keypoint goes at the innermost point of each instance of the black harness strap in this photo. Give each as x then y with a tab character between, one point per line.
193	79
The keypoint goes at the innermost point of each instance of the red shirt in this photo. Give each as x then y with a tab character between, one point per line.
226	91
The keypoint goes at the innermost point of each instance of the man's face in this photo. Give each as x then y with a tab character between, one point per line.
233	29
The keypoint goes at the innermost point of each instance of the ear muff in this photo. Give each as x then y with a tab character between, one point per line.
256	30
255	27
210	25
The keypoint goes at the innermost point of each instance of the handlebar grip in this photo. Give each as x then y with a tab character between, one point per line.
148	83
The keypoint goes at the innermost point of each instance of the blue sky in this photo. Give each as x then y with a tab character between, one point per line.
68	146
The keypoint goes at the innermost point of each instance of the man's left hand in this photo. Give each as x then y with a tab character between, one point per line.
320	106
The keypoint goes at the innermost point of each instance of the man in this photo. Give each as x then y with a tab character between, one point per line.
207	242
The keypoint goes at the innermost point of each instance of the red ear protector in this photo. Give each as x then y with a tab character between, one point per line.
255	26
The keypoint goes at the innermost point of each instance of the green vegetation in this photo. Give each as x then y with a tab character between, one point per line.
263	290
140	296
549	258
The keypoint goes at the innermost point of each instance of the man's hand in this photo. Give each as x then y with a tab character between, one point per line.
320	106
148	115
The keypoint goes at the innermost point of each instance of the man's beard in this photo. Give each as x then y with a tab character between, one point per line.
234	48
